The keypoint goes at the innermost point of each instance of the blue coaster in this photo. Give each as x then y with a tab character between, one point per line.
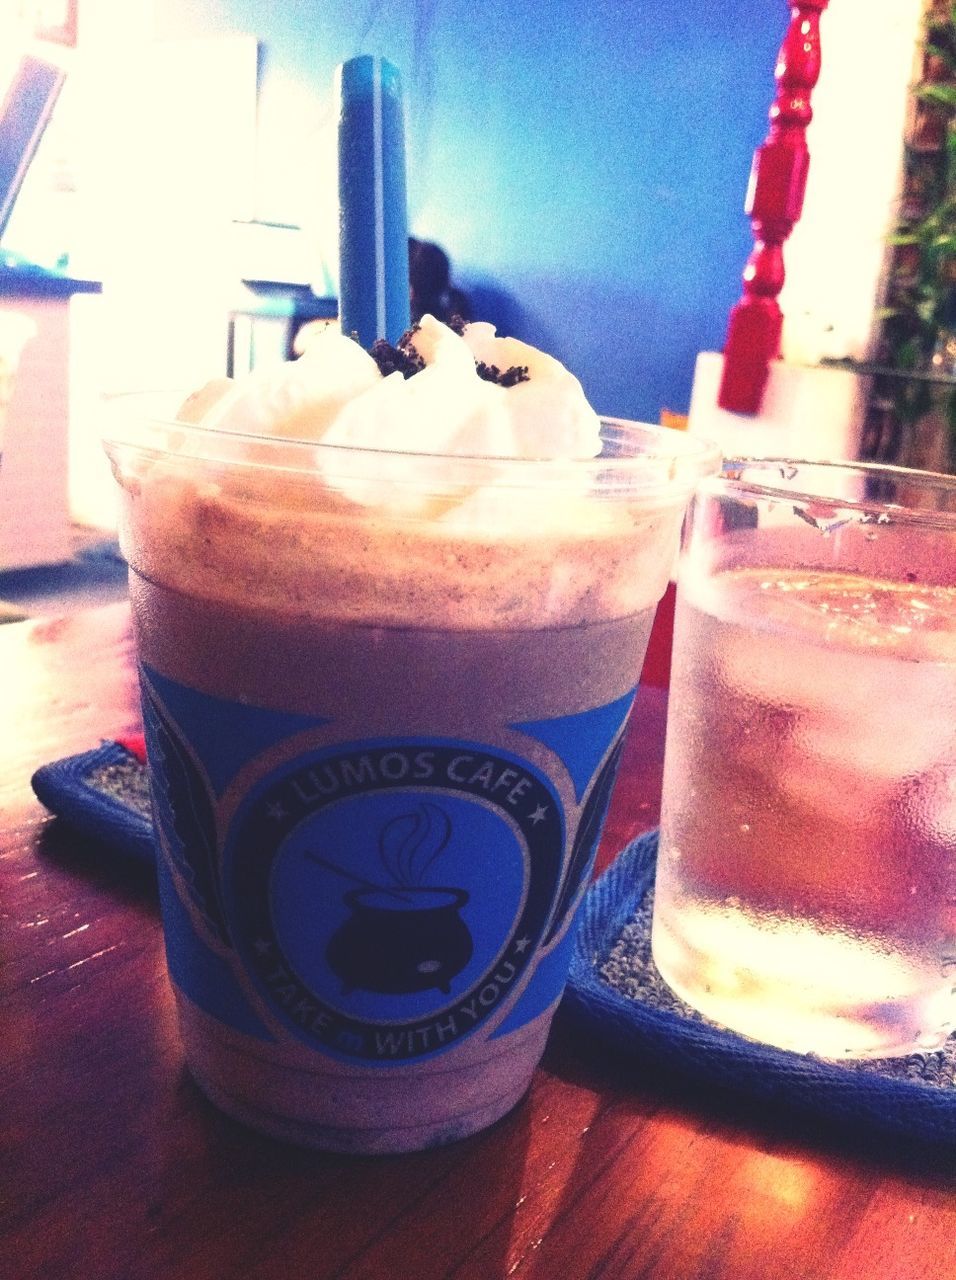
104	794
615	991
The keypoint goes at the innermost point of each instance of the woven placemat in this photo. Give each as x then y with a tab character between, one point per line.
616	992
103	794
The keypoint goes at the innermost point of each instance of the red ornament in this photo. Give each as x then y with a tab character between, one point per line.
778	181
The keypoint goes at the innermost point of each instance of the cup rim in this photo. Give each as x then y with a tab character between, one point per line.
789	469
670	461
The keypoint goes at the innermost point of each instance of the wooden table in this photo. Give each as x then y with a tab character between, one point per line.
113	1165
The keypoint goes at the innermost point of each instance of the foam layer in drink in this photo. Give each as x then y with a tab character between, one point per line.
291	544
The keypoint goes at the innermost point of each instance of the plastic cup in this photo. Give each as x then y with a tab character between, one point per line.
806	878
384	697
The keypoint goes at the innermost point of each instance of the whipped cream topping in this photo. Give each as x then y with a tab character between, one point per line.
335	394
473	496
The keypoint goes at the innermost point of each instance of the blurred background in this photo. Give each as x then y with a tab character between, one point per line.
584	166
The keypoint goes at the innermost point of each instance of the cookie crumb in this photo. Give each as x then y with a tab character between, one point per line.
401	359
404	359
510	378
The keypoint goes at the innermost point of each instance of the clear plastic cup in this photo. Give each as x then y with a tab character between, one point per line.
806	878
384	697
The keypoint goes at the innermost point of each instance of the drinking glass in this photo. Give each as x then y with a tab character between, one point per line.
806	879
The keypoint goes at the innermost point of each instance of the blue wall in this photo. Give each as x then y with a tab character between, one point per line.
584	162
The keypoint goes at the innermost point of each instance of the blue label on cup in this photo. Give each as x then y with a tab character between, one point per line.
388	897
380	901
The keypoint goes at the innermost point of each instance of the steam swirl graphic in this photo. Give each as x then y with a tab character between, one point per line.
410	843
407	845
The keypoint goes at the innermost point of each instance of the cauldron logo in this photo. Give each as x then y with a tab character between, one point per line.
365	903
403	935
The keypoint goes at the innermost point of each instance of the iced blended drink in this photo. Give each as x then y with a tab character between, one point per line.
384	696
806	881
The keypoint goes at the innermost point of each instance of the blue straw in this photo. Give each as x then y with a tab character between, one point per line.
373	217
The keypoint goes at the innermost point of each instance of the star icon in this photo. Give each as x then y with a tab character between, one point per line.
522	945
262	947
539	814
277	811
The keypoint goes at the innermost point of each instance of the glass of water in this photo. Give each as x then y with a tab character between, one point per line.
806	879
